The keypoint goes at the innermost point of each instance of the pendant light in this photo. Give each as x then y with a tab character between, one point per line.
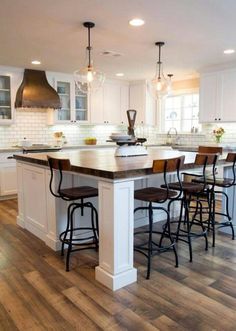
161	86
88	79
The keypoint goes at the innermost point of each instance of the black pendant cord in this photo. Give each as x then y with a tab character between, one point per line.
89	48
159	63
89	25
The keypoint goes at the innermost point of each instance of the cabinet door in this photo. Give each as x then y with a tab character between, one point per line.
112	103
208	103
124	103
64	91
81	105
8	179
228	96
137	101
151	108
96	107
35	200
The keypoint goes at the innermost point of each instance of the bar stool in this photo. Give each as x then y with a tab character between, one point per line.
195	193
158	196
72	194
223	183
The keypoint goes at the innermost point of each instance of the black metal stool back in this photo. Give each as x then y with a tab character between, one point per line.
207	161
231	157
169	166
60	165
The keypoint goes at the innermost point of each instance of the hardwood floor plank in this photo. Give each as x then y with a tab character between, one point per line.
93	311
134	322
164	323
35	304
6	322
91	290
60	303
16	309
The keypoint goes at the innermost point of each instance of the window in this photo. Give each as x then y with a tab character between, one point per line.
181	112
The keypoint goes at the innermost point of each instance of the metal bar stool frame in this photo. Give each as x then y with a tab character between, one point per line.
63	165
159	166
191	193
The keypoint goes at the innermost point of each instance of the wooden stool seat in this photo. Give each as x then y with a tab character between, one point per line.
154	194
81	192
221	182
187	187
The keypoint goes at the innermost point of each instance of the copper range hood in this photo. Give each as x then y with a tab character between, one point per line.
36	92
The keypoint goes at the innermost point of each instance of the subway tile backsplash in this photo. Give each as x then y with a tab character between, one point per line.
33	126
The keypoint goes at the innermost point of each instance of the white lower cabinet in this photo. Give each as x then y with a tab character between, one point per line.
8	181
8	178
35	215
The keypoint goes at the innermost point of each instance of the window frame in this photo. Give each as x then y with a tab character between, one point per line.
178	93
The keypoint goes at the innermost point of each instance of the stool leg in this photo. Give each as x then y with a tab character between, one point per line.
171	239
67	228
180	220
212	218
188	229
227	213
150	213
70	240
93	226
96	221
203	228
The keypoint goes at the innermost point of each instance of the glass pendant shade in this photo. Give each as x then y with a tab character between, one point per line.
88	79
160	85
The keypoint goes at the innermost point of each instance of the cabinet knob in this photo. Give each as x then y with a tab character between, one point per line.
219	119
215	119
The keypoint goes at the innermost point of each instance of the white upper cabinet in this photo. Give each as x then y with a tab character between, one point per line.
124	103
141	100
218	97
74	104
112	102
109	104
10	80
228	96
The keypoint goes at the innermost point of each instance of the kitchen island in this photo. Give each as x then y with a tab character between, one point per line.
116	178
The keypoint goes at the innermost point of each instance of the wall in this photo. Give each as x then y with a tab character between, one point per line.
32	125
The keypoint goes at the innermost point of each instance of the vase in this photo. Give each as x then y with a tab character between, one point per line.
218	139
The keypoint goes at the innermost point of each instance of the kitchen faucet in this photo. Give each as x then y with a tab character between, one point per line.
171	140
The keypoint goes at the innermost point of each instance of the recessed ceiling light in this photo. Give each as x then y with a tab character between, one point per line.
36	62
120	74
136	22
229	51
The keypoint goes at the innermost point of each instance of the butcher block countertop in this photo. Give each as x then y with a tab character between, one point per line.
103	163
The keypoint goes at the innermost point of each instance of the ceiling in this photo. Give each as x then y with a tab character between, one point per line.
195	32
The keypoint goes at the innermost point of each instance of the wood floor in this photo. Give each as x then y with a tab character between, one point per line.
37	294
